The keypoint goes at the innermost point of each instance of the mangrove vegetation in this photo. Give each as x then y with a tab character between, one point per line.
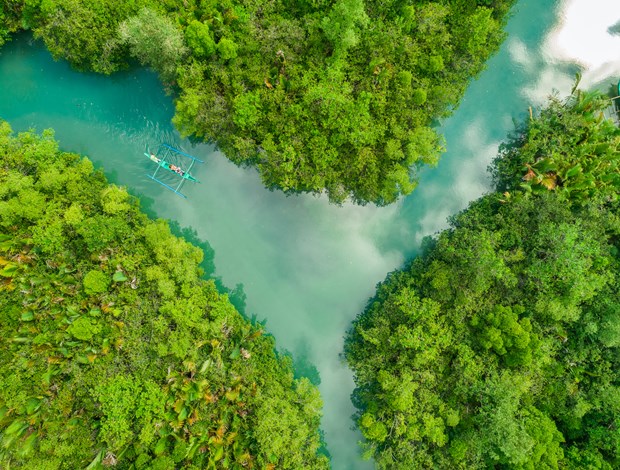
499	346
321	96
116	352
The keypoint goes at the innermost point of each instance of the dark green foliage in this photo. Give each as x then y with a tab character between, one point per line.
498	347
321	96
115	351
10	18
83	32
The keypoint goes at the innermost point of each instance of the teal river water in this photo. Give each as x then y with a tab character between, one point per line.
306	267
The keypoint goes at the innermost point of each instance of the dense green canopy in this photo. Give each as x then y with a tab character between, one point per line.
498	347
336	96
115	351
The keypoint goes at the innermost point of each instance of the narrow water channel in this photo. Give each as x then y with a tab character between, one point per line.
307	267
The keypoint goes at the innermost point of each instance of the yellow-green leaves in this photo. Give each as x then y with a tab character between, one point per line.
84	328
96	282
200	39
115	200
116	351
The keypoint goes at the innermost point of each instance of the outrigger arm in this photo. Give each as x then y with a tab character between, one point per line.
162	163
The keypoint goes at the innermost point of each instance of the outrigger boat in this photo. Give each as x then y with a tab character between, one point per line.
163	157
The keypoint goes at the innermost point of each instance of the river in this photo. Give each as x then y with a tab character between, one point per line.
307	267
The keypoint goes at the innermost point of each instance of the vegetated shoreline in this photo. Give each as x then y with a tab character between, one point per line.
117	351
311	93
498	346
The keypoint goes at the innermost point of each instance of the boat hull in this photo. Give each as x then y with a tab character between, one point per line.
166	166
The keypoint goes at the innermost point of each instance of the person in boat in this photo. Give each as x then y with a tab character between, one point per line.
177	170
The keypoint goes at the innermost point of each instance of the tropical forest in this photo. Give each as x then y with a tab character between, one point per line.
309	234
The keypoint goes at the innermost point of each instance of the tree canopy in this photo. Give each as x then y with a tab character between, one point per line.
115	350
320	96
498	346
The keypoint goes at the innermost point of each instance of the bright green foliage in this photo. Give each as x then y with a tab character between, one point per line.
84	328
96	282
570	149
246	109
200	39
498	346
419	96
321	96
502	331
115	200
342	25
227	49
115	351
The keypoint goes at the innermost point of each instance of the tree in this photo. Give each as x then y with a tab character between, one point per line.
154	40
341	24
200	39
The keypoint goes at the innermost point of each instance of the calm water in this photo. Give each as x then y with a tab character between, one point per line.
306	267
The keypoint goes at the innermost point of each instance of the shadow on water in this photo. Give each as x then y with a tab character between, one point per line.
236	295
302	364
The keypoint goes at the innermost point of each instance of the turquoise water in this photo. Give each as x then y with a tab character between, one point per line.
306	267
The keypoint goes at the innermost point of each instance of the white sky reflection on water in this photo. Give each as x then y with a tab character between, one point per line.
584	35
583	39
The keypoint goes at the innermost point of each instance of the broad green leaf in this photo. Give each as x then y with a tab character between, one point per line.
27	316
32	405
96	463
9	270
160	448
